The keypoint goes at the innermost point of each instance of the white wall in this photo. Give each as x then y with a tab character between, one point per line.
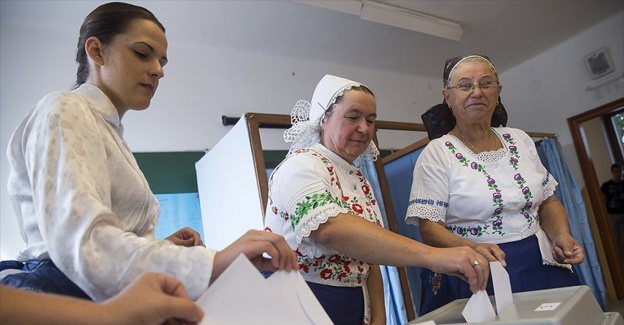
543	92
204	82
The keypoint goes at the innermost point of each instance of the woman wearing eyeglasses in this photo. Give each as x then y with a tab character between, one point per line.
481	184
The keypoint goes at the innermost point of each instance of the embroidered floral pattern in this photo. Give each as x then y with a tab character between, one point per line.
513	150
333	267
312	202
526	191
497	201
436	282
497	198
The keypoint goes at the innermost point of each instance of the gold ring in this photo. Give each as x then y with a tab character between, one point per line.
476	262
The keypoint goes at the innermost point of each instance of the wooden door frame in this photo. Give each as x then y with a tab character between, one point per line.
593	190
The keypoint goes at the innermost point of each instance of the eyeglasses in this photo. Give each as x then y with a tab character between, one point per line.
469	86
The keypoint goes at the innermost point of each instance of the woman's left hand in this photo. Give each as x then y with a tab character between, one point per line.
566	250
186	237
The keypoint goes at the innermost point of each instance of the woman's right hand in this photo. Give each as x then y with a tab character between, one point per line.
254	244
491	252
463	262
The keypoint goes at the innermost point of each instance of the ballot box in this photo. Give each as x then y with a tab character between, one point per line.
560	306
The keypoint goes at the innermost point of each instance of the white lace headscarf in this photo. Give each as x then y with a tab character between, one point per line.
307	118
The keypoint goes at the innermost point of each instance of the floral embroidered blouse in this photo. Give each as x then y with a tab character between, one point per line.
307	189
490	197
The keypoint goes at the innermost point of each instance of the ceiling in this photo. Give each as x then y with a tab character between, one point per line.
508	31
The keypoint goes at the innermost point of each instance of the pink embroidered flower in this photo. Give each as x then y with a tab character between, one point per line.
366	189
304	268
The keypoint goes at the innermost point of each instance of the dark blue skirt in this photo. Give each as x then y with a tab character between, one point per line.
526	273
344	305
40	276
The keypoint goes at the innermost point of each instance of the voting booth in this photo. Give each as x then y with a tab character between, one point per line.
227	173
560	306
233	188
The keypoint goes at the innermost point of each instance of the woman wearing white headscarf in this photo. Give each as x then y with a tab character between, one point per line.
325	208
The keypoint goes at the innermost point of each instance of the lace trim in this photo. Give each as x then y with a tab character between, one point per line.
549	187
492	156
308	226
487	156
419	211
305	133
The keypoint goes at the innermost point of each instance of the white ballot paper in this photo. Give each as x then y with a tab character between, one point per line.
241	295
502	287
479	307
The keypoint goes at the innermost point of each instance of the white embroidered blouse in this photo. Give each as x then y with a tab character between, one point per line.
82	201
491	197
306	190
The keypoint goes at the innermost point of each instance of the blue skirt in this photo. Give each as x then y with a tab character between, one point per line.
344	305
40	276
526	273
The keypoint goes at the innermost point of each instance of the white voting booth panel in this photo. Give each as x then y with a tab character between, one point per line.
561	306
228	189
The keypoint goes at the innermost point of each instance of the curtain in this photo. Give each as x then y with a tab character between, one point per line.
395	305
569	194
399	174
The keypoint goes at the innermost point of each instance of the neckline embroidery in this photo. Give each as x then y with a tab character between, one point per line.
496	219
